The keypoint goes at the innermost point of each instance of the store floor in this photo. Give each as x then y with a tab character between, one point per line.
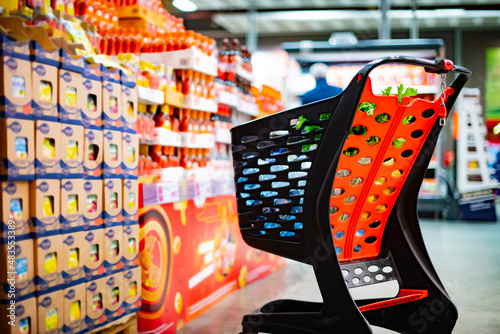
466	256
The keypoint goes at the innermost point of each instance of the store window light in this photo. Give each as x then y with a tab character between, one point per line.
185	5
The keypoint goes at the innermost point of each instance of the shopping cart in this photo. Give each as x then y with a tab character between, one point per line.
334	184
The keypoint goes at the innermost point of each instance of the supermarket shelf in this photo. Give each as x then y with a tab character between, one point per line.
150	96
227	98
189	59
199	103
233	100
194	140
165	137
248	108
223	136
169	192
147	179
169	175
174	98
244	74
423	89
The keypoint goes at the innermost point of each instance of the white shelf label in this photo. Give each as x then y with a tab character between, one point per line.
150	96
168	192
165	137
193	140
190	59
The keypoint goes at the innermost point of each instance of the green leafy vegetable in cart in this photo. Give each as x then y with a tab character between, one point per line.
382	118
409	120
317	136
351	151
408	92
367	107
387	91
311	128
325	116
301	122
373	140
309	147
401	92
358	130
398	142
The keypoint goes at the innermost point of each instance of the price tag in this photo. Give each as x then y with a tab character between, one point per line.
168	193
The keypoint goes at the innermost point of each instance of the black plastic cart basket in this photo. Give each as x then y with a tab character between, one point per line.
334	184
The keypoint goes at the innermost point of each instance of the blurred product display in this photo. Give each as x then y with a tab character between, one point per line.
138	104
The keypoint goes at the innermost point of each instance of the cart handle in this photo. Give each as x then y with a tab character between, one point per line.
432	66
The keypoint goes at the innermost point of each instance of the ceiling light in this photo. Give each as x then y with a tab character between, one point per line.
184	5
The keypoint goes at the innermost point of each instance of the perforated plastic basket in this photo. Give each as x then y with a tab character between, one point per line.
325	179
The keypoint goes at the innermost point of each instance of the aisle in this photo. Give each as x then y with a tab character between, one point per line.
466	255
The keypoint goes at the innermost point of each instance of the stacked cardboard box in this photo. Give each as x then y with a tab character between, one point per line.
69	192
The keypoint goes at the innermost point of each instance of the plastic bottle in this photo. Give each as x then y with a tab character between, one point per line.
195	114
196	157
210	88
187	81
203	123
204	44
174	157
185	121
197	84
204	85
209	123
194	82
174	120
184	162
142	165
